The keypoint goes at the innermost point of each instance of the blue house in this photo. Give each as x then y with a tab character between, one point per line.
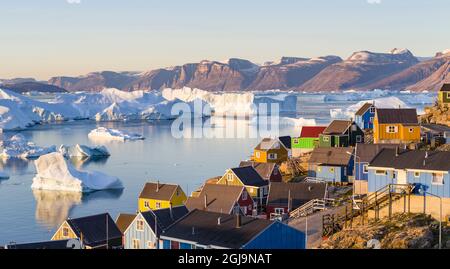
209	230
425	170
331	164
365	116
143	231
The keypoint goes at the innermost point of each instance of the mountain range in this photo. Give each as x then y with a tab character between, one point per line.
396	70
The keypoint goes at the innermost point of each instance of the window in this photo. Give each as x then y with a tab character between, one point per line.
392	129
174	245
372	119
146	204
258	154
326	139
381	172
319	169
230	177
358	139
448	95
158	205
296	141
65	232
244	210
366	169
411	130
332	170
244	196
140	225
136	244
372	111
273	156
178	192
252	190
151	245
279	211
438	179
416	174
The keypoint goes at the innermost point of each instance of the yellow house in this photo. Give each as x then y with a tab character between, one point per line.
271	151
444	95
156	196
248	177
396	126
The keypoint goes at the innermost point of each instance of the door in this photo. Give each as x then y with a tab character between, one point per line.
402	178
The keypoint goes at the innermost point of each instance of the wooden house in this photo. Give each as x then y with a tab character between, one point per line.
365	116
95	232
308	140
146	228
285	197
156	196
444	95
268	171
435	134
428	171
48	245
223	199
396	126
271	150
333	165
365	153
341	133
209	230
247	177
123	221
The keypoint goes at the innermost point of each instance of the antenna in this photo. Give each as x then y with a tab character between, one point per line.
107	232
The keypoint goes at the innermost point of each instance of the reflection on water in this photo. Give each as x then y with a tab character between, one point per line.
80	163
14	165
54	207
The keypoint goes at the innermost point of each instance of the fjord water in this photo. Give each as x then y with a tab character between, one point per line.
27	215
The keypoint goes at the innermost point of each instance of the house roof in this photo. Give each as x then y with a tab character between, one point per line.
366	152
445	88
93	229
268	143
312	131
331	156
415	159
219	198
265	170
203	228
437	128
158	191
249	176
123	221
53	245
286	141
363	109
338	127
397	116
164	217
300	193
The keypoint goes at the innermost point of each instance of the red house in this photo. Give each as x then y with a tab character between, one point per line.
223	199
268	171
286	197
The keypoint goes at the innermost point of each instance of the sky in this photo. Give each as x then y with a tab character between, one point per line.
45	38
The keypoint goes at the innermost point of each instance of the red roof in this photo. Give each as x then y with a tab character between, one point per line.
312	131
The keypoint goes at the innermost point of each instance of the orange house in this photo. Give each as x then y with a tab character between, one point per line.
396	126
271	151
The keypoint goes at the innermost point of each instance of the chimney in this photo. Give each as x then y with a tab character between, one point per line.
238	221
206	201
193	230
289	202
219	221
397	152
157	186
171	211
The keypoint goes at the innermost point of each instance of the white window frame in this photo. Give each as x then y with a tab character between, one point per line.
147	204
136	243
326	139
373	110
411	130
230	177
273	156
417	174
395	129
380	172
448	95
244	195
64	229
140	225
279	211
158	205
258	154
296	140
372	119
437	176
358	138
365	168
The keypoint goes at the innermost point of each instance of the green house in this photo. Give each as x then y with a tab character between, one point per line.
308	140
341	133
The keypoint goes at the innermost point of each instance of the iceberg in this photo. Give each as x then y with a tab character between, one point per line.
82	151
103	133
3	175
349	112
18	147
55	173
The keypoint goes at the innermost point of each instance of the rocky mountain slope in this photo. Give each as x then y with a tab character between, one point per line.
31	86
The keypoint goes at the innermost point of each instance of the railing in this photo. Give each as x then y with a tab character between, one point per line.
315	180
309	208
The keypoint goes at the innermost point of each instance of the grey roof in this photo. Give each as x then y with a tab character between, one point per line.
93	229
219	198
52	245
398	116
416	159
364	109
331	156
300	193
445	88
249	176
203	228
164	217
265	170
338	127
436	128
366	152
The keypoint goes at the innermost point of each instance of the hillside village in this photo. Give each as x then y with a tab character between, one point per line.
295	192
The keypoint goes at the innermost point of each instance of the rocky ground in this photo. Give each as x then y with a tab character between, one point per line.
403	231
436	115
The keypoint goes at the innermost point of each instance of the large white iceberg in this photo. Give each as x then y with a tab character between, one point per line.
349	112
55	173
103	133
18	147
82	151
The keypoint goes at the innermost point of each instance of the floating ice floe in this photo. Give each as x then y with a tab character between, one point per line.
3	175
55	173
349	112
18	147
102	133
82	151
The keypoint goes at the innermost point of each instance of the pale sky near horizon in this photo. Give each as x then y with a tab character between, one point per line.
44	38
